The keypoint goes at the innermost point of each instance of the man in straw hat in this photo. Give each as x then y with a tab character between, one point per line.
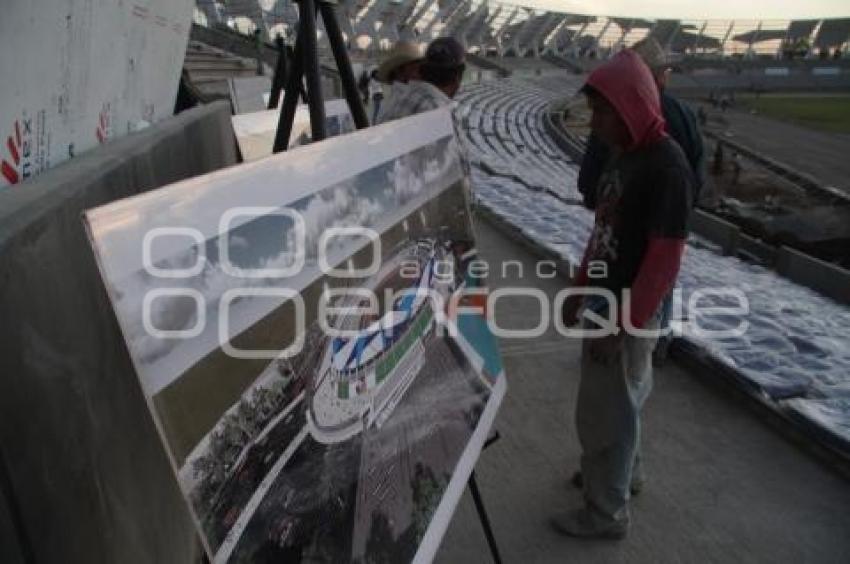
441	72
401	64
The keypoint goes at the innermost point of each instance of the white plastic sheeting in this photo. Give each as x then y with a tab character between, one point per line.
77	74
255	131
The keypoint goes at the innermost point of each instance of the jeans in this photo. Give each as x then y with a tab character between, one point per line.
608	409
664	322
376	100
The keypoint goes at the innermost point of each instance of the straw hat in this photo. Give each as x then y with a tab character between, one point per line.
402	53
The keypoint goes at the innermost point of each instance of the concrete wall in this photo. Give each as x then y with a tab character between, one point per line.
85	465
755	249
828	279
716	230
823	277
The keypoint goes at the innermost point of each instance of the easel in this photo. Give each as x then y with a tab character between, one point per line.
479	506
305	64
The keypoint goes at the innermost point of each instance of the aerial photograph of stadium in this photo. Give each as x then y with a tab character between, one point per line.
452	281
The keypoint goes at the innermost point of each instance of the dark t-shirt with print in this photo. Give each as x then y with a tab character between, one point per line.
642	193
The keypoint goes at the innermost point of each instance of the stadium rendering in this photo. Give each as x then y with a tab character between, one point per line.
347	452
364	376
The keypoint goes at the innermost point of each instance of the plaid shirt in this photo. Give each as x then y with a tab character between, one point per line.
412	98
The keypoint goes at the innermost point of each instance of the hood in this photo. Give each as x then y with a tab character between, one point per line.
627	83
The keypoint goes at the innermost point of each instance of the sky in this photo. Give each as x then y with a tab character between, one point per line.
701	9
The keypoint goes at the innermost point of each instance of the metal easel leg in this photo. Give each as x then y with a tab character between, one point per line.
479	507
485	520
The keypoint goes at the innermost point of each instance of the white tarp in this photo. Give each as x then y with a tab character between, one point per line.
255	131
77	73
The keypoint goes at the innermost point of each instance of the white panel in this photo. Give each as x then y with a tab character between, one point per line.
76	73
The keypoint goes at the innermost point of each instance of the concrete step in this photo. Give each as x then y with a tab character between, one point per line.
223	65
214	88
213	75
200	46
212	57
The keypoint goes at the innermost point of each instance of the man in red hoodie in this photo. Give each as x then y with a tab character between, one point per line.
644	199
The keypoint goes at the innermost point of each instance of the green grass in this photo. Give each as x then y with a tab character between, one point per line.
827	113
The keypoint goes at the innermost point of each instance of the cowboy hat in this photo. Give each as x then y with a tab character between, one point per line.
402	53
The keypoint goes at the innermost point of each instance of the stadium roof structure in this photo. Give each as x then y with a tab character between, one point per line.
757	35
514	30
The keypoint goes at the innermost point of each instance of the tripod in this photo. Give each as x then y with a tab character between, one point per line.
305	64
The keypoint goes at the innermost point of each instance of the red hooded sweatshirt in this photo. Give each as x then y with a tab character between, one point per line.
628	85
644	203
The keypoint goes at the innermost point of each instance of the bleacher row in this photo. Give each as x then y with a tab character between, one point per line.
522	64
795	352
503	124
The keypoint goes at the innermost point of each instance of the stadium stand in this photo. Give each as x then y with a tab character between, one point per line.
755	55
833	34
512	30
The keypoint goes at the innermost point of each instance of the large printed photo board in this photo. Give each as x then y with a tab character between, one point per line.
309	334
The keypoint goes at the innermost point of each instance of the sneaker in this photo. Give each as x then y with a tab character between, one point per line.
577	481
661	353
583	524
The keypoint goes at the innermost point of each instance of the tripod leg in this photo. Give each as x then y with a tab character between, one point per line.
307	25
10	502
343	63
485	521
279	74
290	98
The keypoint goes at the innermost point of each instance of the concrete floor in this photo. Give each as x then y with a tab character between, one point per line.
723	486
